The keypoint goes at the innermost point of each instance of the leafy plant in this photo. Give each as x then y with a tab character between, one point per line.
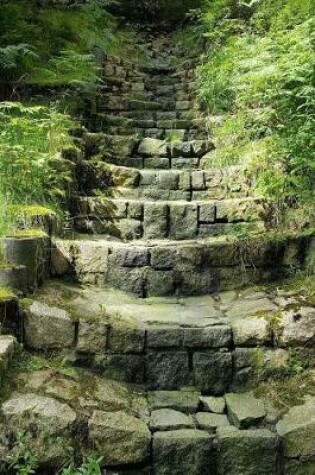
32	169
22	460
92	466
259	75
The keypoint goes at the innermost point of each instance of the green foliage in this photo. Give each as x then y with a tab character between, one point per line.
32	169
57	365
90	467
64	42
259	75
23	461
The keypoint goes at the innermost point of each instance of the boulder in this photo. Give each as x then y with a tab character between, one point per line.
244	410
120	438
47	424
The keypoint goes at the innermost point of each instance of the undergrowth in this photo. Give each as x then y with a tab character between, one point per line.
258	75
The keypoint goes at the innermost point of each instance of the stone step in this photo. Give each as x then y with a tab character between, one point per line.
211	343
127	426
161	182
196	267
130	218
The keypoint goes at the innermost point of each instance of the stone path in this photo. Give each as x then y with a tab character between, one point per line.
153	216
150	350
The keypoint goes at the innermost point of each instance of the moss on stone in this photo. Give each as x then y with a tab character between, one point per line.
6	294
27	233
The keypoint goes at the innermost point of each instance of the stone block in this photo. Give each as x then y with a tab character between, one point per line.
163	258
155	220
206	213
184	401
92	336
213	404
160	282
213	371
183	221
246	452
127	279
210	422
162	163
185	180
150	147
167	370
181	452
148	178
169	419
125	367
239	210
297	430
125	339
198	180
167	336
48	327
130	256
244	410
217	336
296	328
251	331
168	180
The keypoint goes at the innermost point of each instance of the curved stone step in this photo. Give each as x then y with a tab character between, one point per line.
139	218
148	268
165	183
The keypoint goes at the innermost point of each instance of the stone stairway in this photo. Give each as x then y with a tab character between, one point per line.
160	343
152	217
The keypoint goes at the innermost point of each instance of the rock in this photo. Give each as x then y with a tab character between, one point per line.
217	336
152	148
213	404
297	430
111	395
167	370
244	410
8	345
124	338
183	221
48	327
92	336
120	438
47	423
297	327
184	401
246	452
168	419
251	331
155	223
179	452
249	307
213	371
120	146
210	422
